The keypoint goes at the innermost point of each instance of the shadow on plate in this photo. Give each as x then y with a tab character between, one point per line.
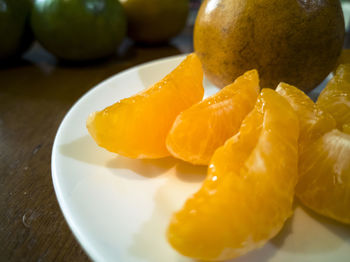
149	168
308	233
84	149
339	229
190	173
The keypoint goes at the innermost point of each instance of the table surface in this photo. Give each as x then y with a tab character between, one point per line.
35	94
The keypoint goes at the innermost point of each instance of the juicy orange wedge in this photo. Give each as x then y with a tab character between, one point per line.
324	183
198	131
324	158
248	193
137	126
335	98
313	121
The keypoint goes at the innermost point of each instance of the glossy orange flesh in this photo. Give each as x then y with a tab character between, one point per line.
335	98
248	193
324	155
137	126
198	131
324	183
313	121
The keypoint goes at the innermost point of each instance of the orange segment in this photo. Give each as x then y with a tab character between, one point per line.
324	161
335	98
137	126
324	184
198	131
313	121
248	193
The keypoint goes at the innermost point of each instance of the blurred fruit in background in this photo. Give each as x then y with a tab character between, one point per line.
79	29
155	21
15	33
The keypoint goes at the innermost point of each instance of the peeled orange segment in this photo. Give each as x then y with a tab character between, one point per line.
324	161
137	126
313	121
335	98
324	183
248	193
198	131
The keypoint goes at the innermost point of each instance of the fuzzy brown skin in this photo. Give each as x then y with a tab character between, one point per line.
294	41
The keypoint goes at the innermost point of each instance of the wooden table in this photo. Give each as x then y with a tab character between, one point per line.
35	94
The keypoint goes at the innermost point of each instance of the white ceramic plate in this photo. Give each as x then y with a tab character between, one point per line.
119	208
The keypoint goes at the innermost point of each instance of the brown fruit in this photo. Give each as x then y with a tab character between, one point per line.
293	41
155	21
